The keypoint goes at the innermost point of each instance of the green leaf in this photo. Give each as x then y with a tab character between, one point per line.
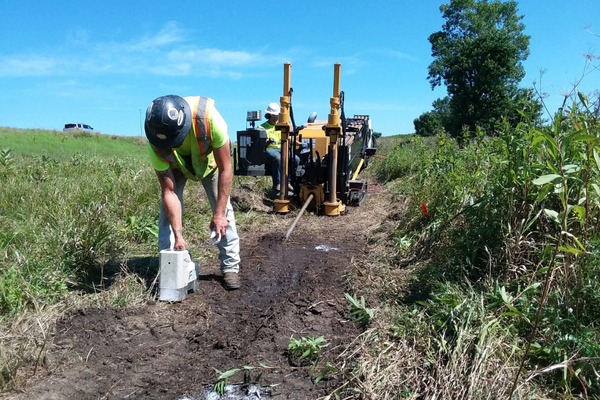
583	99
228	374
553	215
152	231
542	180
318	378
548	139
512	313
580	211
513	309
569	249
551	166
543	193
504	295
571	168
537	140
597	158
584	138
579	243
571	236
532	221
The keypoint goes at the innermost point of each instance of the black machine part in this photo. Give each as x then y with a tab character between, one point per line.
250	156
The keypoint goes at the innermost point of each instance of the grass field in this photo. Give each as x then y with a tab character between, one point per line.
490	260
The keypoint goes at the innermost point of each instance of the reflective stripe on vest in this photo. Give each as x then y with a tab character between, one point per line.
201	122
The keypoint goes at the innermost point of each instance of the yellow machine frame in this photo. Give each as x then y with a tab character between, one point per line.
325	138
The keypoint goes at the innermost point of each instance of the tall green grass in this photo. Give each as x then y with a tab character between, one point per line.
56	143
69	204
511	238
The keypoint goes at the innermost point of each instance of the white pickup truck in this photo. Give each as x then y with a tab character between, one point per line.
78	127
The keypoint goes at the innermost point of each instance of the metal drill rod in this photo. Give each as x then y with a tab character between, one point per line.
284	126
306	203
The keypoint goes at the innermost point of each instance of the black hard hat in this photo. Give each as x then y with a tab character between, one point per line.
168	121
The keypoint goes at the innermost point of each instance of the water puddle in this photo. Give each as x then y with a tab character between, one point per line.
232	392
324	247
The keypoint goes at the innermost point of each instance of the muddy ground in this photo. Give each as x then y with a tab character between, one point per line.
292	288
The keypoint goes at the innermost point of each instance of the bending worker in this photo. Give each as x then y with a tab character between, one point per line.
188	140
274	145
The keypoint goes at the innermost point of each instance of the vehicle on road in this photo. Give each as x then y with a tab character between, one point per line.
78	127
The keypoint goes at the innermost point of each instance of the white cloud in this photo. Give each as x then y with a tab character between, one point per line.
216	57
171	69
172	51
28	66
168	35
402	56
169	52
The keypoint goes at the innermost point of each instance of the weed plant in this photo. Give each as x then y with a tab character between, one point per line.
359	311
307	348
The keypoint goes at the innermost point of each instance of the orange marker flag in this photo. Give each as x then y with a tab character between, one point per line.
424	209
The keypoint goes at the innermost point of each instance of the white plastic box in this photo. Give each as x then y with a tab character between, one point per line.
178	275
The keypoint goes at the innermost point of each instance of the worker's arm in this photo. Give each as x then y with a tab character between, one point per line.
172	206
223	159
293	140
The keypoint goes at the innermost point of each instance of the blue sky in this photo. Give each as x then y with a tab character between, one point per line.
102	62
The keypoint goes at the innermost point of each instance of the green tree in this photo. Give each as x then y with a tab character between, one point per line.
433	122
477	56
428	124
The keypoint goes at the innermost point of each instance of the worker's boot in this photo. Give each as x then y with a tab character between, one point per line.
231	280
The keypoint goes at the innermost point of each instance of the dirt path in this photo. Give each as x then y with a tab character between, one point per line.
164	351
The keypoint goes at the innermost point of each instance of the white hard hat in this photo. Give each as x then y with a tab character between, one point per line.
273	109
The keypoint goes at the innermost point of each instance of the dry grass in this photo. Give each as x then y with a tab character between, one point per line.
22	344
408	368
407	358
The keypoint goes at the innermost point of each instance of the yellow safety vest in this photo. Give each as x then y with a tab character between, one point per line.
272	134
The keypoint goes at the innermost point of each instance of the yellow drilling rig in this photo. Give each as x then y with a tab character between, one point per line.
332	153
